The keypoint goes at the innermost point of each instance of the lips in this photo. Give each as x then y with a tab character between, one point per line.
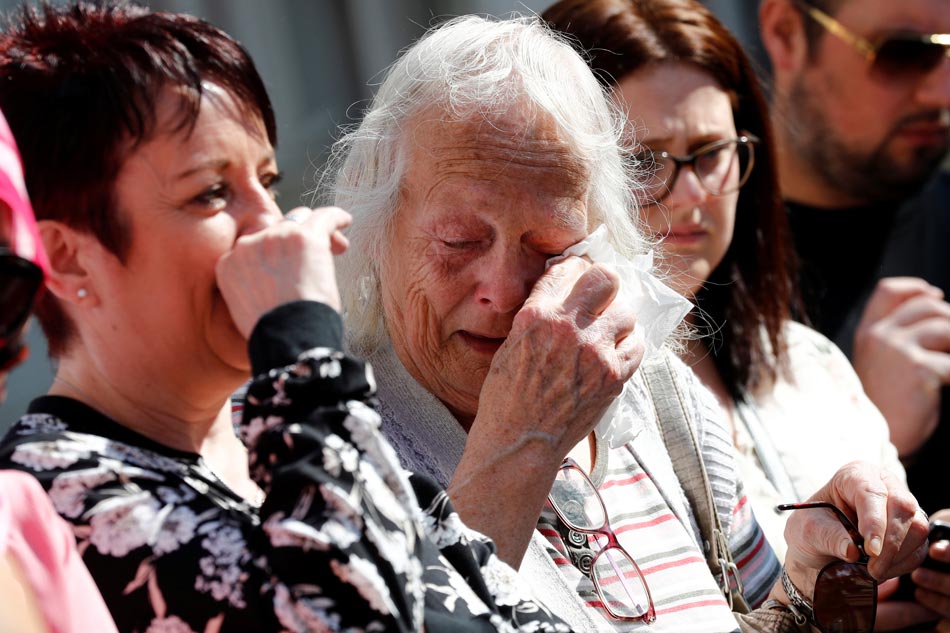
480	343
685	234
927	135
930	128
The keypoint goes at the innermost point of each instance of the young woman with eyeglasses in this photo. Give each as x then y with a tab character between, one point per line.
711	200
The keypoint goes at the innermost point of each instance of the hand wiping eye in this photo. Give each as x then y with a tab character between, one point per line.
658	308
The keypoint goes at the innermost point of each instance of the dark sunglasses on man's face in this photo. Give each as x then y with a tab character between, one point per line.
910	54
902	55
20	282
845	597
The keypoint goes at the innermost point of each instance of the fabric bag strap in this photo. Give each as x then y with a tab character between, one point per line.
679	436
766	452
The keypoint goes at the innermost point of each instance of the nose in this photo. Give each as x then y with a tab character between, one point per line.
506	277
687	191
258	210
934	89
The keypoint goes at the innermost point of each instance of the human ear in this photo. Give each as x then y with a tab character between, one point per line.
68	279
782	29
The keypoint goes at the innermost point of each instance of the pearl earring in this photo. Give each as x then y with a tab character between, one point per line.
82	293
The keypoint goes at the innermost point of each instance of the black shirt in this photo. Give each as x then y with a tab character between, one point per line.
844	252
840	251
344	540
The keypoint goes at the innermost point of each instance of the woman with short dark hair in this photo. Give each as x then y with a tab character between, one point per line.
149	148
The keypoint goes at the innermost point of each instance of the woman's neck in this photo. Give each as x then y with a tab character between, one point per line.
189	421
698	357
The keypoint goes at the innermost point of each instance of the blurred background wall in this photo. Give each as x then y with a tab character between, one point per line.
320	60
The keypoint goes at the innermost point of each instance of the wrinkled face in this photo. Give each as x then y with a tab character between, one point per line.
680	109
872	137
187	197
483	206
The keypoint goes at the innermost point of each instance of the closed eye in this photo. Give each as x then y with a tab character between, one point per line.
460	245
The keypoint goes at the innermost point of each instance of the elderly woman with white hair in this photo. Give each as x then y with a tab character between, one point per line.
484	167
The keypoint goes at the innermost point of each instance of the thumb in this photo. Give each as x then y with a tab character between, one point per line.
558	280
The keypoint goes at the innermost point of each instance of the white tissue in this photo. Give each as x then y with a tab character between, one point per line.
658	308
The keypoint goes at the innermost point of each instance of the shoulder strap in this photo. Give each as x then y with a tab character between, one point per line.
679	436
766	451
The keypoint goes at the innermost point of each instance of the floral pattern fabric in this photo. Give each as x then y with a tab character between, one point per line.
344	540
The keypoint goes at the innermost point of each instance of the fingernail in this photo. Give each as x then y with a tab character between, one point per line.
843	547
874	546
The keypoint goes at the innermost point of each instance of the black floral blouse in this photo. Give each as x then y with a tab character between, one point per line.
344	540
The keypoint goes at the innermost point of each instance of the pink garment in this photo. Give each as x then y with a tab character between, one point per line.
24	237
44	546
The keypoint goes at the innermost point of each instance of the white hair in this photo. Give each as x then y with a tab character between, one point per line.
471	67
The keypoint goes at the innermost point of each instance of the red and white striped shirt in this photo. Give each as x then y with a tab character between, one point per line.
685	594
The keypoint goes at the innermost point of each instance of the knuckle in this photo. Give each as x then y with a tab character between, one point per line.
531	312
569	265
852	468
605	272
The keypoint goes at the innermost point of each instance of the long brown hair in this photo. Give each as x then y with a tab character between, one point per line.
749	295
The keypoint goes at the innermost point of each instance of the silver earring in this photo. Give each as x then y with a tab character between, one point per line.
82	293
366	287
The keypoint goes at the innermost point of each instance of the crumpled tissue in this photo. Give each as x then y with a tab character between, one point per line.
659	309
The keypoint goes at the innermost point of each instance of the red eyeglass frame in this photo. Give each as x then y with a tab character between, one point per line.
605	530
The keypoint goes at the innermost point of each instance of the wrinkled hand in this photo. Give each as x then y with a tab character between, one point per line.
289	261
885	512
568	354
902	355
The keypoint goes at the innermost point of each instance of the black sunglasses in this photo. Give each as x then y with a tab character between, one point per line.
894	56
845	597
20	282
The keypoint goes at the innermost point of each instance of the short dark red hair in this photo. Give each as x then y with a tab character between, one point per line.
78	85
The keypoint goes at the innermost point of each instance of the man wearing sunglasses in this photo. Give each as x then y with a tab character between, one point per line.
861	107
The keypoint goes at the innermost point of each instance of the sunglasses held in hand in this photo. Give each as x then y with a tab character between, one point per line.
845	597
907	56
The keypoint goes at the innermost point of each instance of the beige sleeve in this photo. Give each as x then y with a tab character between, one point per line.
771	621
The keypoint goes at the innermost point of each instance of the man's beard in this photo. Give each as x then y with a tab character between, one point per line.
873	176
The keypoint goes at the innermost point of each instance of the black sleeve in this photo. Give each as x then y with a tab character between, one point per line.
341	541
